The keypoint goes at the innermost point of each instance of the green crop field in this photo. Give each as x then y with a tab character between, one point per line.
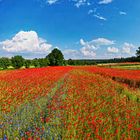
133	66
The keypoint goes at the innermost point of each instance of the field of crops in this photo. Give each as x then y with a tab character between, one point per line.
70	103
130	77
126	65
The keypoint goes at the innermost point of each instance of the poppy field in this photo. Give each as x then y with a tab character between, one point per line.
70	103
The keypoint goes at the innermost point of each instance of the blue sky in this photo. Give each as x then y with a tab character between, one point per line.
89	29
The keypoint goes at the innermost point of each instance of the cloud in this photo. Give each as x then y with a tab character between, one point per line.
100	48
79	3
105	1
103	42
95	14
50	2
26	42
100	17
122	13
89	44
95	43
90	11
89	48
47	2
127	48
82	42
112	50
88	52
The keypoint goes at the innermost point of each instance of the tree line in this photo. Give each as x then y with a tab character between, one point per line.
99	61
56	58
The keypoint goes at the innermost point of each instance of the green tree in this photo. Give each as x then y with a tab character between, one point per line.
65	63
27	63
17	61
4	62
56	58
43	62
35	62
138	52
71	62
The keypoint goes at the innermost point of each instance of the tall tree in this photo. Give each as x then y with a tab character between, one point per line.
17	61
56	58
138	52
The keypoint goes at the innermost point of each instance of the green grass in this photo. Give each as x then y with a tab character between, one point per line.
133	67
12	68
121	66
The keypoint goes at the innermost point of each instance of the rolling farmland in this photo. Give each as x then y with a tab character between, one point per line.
70	103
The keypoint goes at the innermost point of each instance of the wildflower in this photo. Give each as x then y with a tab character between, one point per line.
5	137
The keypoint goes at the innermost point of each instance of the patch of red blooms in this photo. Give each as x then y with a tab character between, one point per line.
94	109
87	105
18	86
130	77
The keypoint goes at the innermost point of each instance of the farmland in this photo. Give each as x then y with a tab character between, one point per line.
128	65
70	103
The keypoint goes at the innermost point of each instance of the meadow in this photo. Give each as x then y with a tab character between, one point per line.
70	103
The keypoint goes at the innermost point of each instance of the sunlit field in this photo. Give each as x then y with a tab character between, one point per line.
128	65
70	103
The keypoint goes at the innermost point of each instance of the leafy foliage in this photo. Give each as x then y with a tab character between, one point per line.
17	61
27	63
4	62
35	62
43	62
56	58
138	52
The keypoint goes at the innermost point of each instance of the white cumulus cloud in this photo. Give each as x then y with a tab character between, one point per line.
26	41
89	44
88	52
89	47
112	50
105	1
127	47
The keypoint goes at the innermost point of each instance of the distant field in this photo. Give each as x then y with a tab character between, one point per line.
70	103
12	68
133	66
